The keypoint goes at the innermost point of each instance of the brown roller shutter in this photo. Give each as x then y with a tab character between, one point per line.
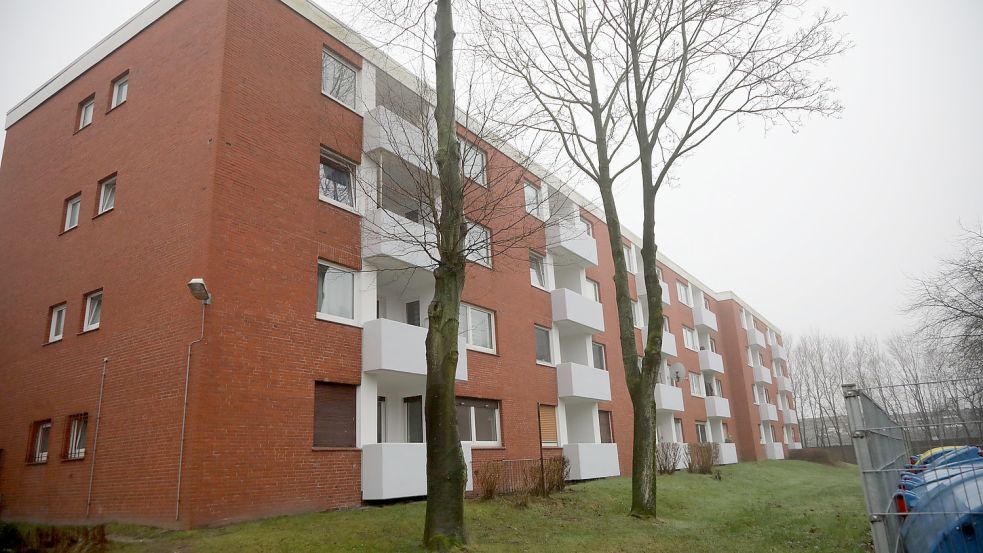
547	424
334	415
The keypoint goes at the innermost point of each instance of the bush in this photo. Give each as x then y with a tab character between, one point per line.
489	478
64	539
557	473
813	455
702	457
668	456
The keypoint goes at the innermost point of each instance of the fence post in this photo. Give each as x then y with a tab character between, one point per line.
858	435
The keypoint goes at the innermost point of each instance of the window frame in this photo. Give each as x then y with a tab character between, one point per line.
690	339
466	147
684	293
327	53
34	454
348	388
538	209
705	437
120	83
589	225
330	317
465	328
677	425
473	442
86	325
556	424
86	106
74	200
610	425
697	385
470	253
629	252
537	329
604	355
71	451
595	288
103	185
542	273
343	164
53	312
636	314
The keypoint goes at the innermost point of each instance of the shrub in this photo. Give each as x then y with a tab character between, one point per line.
557	473
702	457
668	456
813	455
73	539
488	479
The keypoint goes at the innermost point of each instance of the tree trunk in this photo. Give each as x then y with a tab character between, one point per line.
446	470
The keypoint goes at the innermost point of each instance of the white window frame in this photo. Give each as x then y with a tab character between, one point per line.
685	293
498	427
677	430
705	437
72	452
120	84
38	456
87	108
541	259
629	252
551	362
344	64
73	206
330	317
604	356
470	148
761	430
697	387
352	174
538	207
56	328
474	255
104	186
690	339
636	314
754	394
750	357
465	328
595	289
590	227
89	301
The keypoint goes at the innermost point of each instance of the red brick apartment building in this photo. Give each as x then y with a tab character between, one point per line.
222	139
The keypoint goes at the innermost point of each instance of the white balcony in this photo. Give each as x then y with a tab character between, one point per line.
784	384
703	317
755	339
592	460
762	374
791	416
668	343
642	290
569	243
774	450
728	454
795	445
384	130
718	407
392	241
401	348
668	398
768	412
573	312
778	352
574	380
710	361
391	470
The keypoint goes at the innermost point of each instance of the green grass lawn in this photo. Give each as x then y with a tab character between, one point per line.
757	507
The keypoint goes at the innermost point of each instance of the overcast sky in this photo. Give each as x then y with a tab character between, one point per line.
821	229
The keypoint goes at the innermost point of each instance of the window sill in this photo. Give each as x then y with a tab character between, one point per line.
66	231
326	448
545	364
477	349
88	331
552	446
540	288
338	320
101	213
35	463
52	342
116	107
82	129
73	459
478	445
338	204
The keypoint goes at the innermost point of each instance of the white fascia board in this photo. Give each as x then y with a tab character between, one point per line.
133	26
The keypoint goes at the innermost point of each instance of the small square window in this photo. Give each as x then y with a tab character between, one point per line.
597	351
335	292
75	445
544	346
73	206
338	79
337	182
537	270
120	88
56	329
107	195
93	311
86	110
40	436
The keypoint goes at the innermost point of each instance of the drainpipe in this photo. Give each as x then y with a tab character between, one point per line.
95	439
184	414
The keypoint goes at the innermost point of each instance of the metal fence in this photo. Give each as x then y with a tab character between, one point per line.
889	424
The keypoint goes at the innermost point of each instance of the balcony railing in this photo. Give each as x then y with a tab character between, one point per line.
755	339
668	398
575	312
778	351
774	450
717	407
728	454
574	380
795	445
392	470
384	130
703	317
762	374
668	344
791	416
768	412
392	241
643	291
710	361
401	348
589	461
569	243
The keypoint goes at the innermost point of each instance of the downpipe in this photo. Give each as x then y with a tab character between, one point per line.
184	413
95	439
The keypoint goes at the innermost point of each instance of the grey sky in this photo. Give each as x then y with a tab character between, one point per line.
819	229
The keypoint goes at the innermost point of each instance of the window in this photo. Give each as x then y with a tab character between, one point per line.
477	246
543	345
120	87
594	290
478	327
597	351
413	313
86	109
607	430
665	325
750	358
336	182
473	162
73	206
683	291
761	432
658	273
335	292
696	384
629	258
708	387
754	393
706	301
702	435
40	434
536	201
380	420
589	227
713	345
338	79
718	388
75	445
689	338
537	270
413	409
677	428
743	319
334	415
107	195
56	327
767	394
477	421
636	313
93	311
547	425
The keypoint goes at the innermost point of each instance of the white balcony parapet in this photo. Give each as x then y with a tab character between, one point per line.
391	236
574	380
718	407
384	130
575	312
791	416
569	243
768	412
784	384
762	374
668	398
703	317
401	348
392	470
710	361
642	290
774	450
592	460
795	445
755	339
778	351
728	454
669	344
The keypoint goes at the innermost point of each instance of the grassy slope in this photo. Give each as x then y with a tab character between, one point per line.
757	507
